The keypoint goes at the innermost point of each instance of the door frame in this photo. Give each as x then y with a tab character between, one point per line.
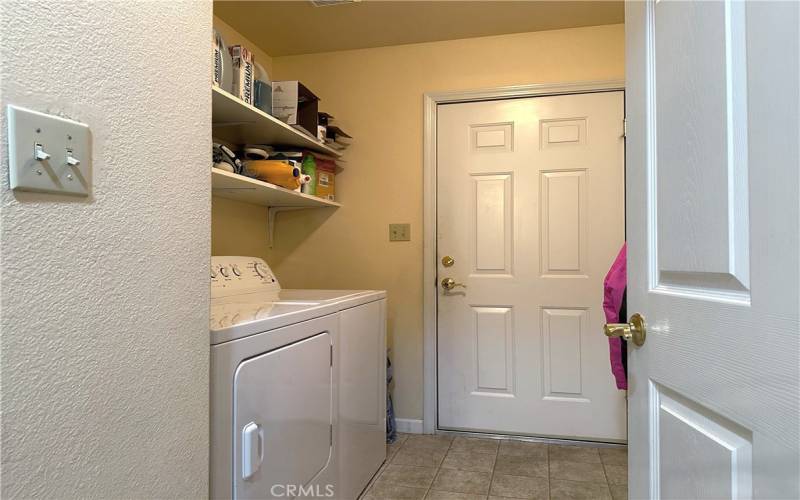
431	101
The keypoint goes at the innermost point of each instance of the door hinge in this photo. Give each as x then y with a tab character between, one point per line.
331	354
624	127
330	434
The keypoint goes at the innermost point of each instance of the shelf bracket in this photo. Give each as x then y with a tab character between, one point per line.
272	213
230	124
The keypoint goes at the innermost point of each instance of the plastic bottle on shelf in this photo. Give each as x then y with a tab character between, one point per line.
309	167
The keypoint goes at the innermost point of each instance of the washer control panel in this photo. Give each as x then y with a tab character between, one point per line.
234	275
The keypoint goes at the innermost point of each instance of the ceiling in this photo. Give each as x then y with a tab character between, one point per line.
282	28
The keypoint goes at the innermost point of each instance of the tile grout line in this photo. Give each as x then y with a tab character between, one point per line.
605	475
438	468
549	492
382	469
494	465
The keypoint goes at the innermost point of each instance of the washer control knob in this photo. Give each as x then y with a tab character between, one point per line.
261	270
224	271
236	270
213	273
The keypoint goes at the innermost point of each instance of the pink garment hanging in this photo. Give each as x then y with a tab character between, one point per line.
613	290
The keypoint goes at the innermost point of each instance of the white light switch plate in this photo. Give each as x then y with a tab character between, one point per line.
64	141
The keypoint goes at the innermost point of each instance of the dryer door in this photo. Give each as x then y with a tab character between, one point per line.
282	419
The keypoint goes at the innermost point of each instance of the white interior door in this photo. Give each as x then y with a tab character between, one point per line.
713	249
530	205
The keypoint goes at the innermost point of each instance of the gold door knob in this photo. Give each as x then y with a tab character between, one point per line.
450	283
635	331
448	261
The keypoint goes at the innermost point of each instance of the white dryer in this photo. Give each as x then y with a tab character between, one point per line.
298	386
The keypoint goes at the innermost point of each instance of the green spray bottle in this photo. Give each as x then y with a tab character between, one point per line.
309	167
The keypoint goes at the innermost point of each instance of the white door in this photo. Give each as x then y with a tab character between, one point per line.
530	205
712	187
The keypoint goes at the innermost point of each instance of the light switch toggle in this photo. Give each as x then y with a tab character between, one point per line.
39	153
71	160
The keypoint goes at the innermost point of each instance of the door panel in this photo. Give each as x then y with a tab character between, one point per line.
290	414
562	330
563	209
494	338
693	440
493	231
713	248
530	205
702	241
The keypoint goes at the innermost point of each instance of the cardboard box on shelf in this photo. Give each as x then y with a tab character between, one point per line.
326	176
337	138
262	89
242	73
262	96
294	104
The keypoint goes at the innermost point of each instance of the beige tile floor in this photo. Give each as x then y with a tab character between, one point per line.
463	468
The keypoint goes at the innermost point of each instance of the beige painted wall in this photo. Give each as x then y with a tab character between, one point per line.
376	94
233	37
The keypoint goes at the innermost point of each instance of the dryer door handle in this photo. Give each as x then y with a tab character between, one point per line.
252	450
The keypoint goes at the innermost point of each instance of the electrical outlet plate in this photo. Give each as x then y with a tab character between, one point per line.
65	141
399	232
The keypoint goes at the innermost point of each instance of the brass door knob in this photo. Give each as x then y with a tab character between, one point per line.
448	261
450	283
635	331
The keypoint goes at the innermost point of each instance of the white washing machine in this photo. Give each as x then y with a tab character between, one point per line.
298	386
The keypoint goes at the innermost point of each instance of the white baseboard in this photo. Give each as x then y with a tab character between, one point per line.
409	425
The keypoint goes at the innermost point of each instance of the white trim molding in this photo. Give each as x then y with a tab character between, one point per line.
409	425
430	102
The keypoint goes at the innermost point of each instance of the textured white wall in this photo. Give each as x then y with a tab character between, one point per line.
104	363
